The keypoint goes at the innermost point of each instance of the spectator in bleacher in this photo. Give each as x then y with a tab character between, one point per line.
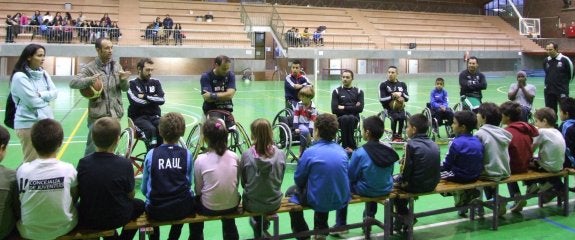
106	183
318	38
93	31
45	29
209	17
106	19
48	17
305	37
16	19
293	83
115	32
496	142
216	178
313	187
157	23
10	24
520	147
178	34
297	38
566	3
420	166
168	25
290	37
84	32
262	169
57	19
102	30
49	187
24	21
36	19
464	160
35	22
68	29
471	83
558	74
522	93
168	177
8	192
347	103
80	19
370	169
68	16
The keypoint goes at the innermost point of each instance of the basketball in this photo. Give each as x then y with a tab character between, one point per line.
397	104
93	91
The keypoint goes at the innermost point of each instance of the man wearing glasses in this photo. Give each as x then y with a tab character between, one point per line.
347	103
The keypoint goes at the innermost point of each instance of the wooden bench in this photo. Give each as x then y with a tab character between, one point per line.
87	234
446	187
145	224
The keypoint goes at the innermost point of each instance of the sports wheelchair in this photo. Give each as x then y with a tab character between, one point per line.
285	135
238	139
128	145
434	124
387	132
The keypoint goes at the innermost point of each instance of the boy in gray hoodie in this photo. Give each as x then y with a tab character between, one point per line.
496	142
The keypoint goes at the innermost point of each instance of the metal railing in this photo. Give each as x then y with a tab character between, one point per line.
233	39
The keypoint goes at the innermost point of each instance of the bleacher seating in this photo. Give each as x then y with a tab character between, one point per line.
346	28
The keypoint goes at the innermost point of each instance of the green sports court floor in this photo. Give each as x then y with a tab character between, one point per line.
263	99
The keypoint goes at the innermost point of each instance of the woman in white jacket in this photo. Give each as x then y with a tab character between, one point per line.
32	91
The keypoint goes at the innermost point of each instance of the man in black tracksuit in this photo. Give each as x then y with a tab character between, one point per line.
558	74
146	96
347	103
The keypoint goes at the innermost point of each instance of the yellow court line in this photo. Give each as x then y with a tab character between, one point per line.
63	149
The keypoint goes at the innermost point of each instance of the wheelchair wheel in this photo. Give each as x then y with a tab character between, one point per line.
194	140
283	116
282	137
458	107
387	134
125	143
404	134
240	141
431	122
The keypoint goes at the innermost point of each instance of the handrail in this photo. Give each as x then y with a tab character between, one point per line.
278	27
195	37
245	18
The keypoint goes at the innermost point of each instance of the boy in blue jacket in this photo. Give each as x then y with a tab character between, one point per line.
322	192
439	104
370	169
464	160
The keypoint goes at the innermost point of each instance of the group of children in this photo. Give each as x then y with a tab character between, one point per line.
40	199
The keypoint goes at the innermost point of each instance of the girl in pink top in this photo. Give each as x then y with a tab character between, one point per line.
216	176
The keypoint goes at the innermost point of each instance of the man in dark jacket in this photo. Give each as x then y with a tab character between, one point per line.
347	103
146	96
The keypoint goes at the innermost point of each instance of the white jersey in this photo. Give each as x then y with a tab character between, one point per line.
47	206
551	149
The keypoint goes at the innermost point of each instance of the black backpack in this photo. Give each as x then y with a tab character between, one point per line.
10	112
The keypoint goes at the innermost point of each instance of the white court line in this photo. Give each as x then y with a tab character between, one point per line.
439	224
